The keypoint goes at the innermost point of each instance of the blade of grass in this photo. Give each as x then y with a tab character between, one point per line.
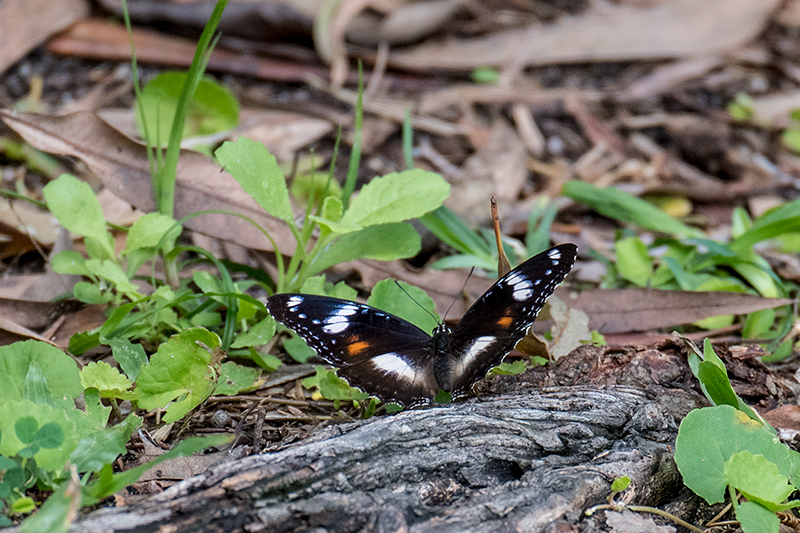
168	173
408	140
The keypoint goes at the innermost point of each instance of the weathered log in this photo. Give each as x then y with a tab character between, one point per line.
525	460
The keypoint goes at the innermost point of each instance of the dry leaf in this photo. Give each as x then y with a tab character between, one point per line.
122	165
25	24
682	28
570	328
630	522
622	310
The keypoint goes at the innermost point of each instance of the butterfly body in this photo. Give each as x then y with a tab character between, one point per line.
396	361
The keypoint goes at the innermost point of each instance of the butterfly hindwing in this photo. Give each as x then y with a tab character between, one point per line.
376	351
503	314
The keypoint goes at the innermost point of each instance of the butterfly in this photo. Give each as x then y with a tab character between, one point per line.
396	361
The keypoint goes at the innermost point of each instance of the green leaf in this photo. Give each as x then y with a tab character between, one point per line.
449	229
76	207
35	386
150	231
413	305
756	518
384	243
716	385
633	262
108	483
91	294
59	369
758	479
258	335
235	378
103	446
620	484
178	377
258	173
297	349
34	416
70	262
332	387
620	205
131	357
319	285
708	437
509	369
23	505
212	109
113	273
108	380
397	197
57	513
49	436
776	222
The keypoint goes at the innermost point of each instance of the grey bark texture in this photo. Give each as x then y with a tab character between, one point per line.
527	459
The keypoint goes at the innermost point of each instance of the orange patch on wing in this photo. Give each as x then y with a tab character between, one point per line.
357	347
505	321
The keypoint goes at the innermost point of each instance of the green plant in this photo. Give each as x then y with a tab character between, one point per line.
44	435
729	448
689	261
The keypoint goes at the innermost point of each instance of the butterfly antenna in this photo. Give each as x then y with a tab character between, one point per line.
471	270
415	301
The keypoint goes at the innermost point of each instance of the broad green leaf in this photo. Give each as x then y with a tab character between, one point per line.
89	293
213	108
23	505
335	227
758	479
708	437
620	205
108	380
235	378
397	197
178	377
70	262
384	243
103	446
258	335
43	416
108	483
332	387
258	173
633	262
59	369
297	349
76	207
509	369
152	230
413	305
756	518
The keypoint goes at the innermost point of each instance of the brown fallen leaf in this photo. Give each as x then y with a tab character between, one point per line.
681	28
623	310
122	165
25	24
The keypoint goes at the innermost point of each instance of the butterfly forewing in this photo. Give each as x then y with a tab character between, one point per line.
502	315
378	352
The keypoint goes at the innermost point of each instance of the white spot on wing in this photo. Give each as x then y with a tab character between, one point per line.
293	302
478	346
554	255
391	363
521	286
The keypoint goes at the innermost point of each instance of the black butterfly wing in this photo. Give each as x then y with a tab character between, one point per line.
377	352
502	315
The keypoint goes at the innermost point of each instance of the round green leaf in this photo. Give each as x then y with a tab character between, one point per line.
43	416
59	369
